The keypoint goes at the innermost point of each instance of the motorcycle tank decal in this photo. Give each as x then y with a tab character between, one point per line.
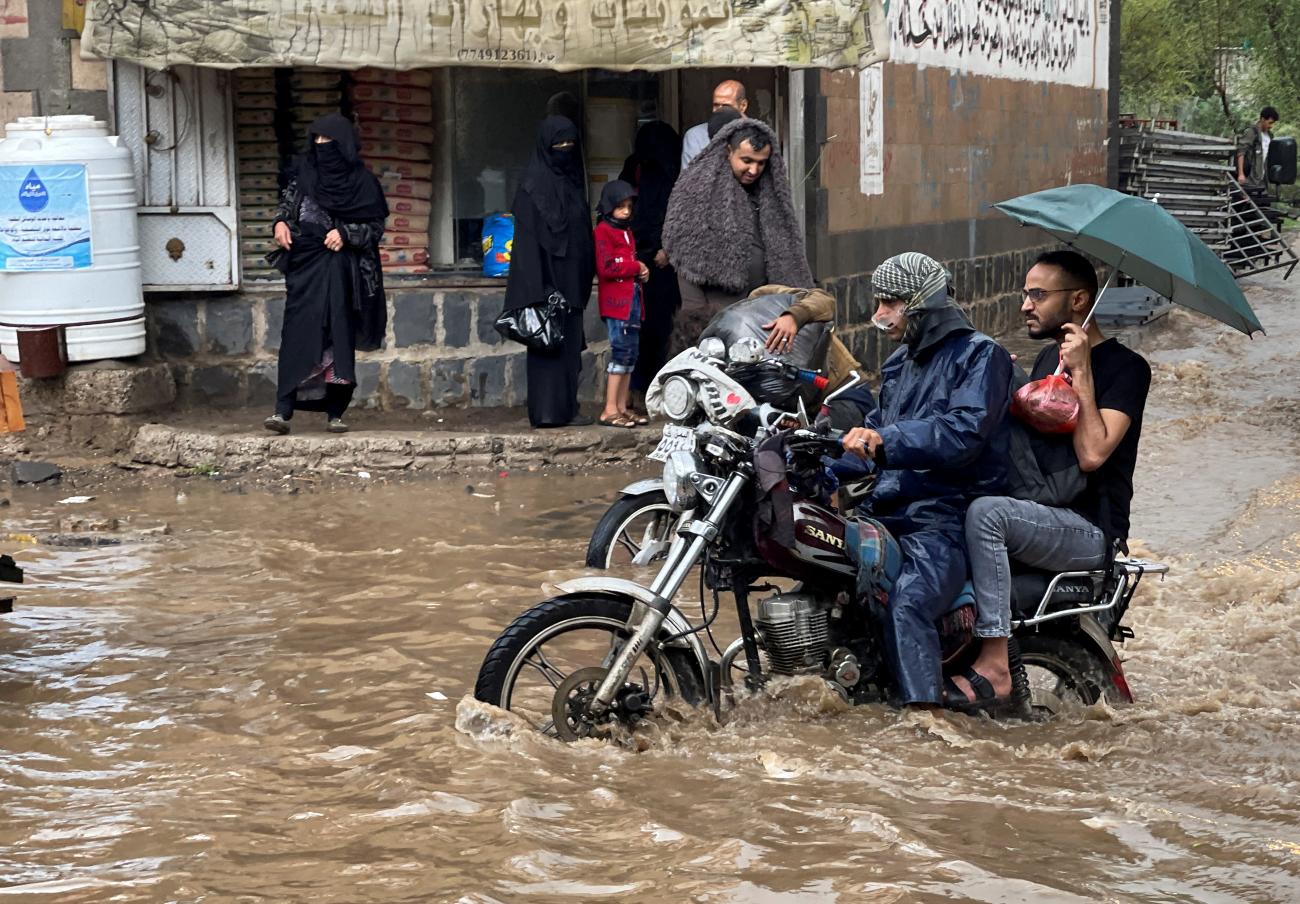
819	538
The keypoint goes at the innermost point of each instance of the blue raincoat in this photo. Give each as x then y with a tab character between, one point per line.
941	415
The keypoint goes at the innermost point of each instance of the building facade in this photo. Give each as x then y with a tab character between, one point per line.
977	103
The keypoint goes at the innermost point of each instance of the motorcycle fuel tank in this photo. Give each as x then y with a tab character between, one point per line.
818	543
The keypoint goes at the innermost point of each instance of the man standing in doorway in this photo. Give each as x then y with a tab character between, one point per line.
731	227
1252	150
730	93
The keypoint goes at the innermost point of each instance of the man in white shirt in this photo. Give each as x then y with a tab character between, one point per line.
1252	150
730	93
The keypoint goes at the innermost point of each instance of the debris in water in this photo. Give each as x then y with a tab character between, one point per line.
36	472
436	695
364	475
76	500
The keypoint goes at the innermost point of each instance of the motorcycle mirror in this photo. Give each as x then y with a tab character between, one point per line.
712	347
745	350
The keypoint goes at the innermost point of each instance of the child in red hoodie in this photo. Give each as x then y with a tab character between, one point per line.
620	276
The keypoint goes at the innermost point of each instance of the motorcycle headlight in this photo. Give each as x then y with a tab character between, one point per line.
678	399
679	490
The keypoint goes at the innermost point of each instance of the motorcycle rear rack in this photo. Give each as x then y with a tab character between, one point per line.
1130	571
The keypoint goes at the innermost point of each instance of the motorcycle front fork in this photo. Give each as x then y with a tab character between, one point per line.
647	618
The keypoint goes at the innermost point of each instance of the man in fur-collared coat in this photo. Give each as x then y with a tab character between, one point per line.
731	227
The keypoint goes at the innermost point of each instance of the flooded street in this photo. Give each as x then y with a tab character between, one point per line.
266	704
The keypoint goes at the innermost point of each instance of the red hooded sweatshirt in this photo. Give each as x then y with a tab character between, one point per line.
616	270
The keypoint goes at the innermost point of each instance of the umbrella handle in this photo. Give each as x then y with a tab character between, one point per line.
1110	281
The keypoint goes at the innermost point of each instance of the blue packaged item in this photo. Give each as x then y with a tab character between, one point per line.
498	240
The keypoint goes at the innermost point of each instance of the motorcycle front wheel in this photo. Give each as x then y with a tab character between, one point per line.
548	662
634	530
1064	675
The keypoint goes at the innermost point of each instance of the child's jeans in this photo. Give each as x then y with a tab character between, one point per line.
625	338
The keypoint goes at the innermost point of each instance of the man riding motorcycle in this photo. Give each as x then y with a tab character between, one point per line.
937	439
1111	382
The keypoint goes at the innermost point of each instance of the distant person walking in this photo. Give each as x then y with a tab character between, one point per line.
553	252
328	226
1252	150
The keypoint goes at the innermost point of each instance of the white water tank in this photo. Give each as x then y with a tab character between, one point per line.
69	248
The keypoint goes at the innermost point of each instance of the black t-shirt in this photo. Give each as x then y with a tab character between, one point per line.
1121	378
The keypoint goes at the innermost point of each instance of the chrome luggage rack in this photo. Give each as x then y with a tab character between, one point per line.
1128	573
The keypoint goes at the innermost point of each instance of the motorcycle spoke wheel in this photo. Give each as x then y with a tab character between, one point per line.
558	664
642	539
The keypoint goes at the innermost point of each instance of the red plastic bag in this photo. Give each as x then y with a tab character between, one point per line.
1049	405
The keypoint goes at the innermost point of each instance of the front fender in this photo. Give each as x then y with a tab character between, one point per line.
650	485
674	623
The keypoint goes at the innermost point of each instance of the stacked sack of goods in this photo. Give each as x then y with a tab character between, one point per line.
394	114
257	153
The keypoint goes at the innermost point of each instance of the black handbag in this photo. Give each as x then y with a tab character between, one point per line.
538	326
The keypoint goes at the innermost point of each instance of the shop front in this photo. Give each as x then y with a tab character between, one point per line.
447	95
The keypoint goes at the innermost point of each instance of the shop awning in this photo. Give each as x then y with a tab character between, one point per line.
545	34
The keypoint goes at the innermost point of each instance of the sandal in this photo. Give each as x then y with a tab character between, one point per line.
638	418
618	420
986	699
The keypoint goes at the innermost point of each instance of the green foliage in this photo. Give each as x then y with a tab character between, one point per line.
1172	62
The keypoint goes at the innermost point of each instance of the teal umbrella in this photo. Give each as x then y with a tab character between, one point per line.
1142	239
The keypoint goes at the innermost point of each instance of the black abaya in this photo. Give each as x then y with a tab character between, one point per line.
318	315
553	251
653	169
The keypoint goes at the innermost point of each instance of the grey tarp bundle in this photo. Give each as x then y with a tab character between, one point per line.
746	319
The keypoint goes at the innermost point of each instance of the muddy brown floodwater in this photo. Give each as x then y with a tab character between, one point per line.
264	706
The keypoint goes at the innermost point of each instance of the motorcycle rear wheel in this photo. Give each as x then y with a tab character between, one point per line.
1063	675
520	650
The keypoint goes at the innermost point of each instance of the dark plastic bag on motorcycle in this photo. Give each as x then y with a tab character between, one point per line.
746	318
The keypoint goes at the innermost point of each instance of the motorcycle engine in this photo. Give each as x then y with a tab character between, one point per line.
795	633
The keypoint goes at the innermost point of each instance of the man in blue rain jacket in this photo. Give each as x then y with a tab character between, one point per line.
938	439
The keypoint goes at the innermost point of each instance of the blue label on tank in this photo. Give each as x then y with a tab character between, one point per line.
33	196
44	217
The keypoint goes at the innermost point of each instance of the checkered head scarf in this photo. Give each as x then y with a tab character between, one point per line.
913	276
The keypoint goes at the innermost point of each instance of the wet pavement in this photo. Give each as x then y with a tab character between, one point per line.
267	704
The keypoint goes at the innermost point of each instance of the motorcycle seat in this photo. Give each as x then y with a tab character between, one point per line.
1029	584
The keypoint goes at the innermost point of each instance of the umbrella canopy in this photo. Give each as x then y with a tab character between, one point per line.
1142	239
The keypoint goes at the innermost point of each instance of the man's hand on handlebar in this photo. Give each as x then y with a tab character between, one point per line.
862	442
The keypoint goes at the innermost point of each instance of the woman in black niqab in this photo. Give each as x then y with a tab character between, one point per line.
653	168
328	227
553	252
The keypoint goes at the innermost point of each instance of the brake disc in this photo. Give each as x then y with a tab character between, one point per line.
571	705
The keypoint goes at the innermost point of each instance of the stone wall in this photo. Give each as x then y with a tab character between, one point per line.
441	349
988	288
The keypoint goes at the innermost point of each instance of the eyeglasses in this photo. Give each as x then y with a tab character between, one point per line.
1037	295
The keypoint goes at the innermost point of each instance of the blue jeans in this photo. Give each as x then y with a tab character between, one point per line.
999	528
625	338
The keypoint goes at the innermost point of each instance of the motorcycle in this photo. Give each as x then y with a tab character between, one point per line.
605	653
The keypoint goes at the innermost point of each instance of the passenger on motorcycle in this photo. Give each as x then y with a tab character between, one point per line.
938	438
1111	382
